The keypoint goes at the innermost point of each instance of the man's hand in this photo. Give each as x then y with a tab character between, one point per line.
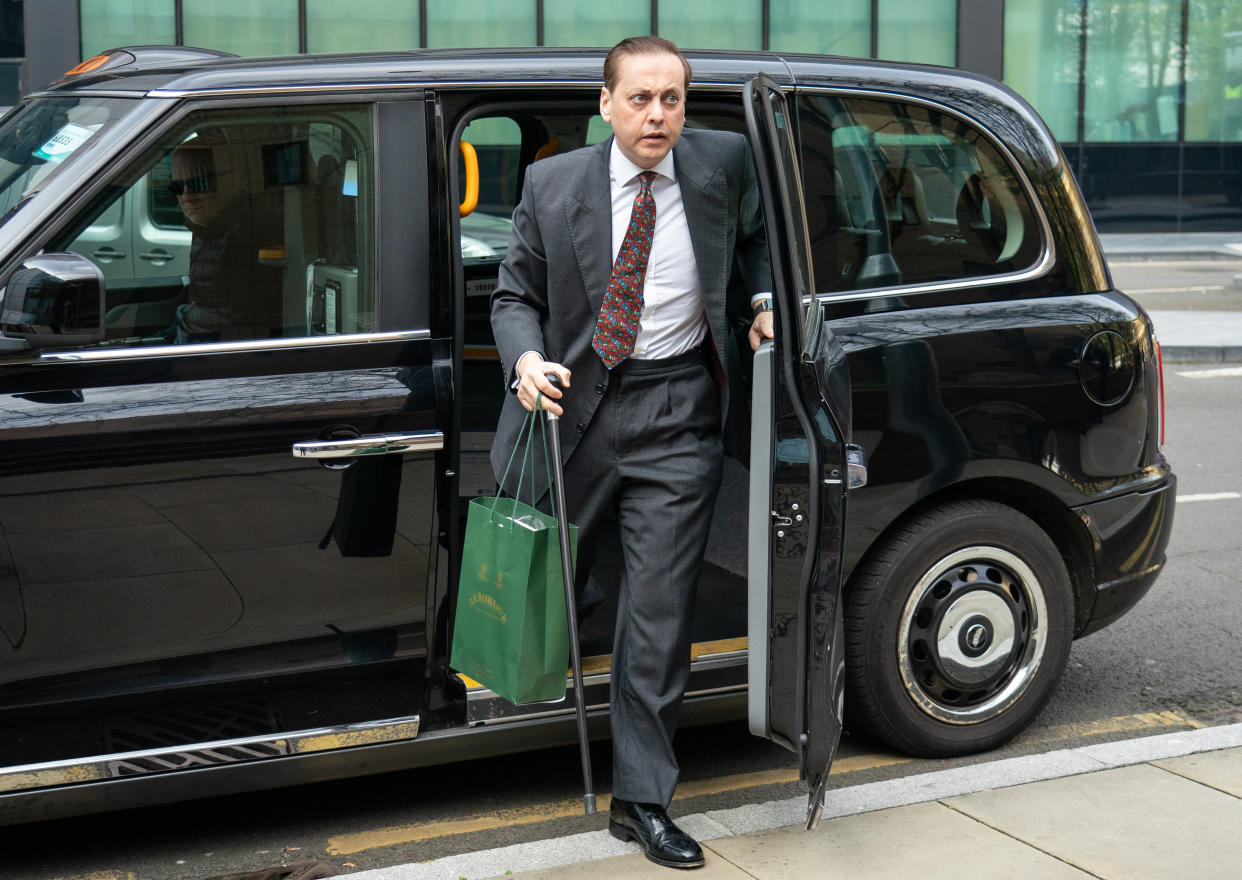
531	380
761	328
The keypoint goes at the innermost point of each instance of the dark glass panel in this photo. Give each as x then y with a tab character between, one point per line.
1131	187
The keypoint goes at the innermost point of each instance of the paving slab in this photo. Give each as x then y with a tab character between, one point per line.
1167	245
48	557
928	841
62	512
1204	329
1129	823
1221	770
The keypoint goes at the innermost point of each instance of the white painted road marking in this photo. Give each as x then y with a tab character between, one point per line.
1199	288
1209	496
1219	373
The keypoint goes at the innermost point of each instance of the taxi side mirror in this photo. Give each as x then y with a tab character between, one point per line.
54	300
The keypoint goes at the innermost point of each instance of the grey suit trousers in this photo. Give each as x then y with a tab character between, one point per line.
652	456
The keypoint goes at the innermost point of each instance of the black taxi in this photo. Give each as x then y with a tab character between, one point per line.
229	536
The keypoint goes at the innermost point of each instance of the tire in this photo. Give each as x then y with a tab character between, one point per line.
957	630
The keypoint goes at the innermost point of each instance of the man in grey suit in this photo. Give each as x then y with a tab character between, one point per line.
626	265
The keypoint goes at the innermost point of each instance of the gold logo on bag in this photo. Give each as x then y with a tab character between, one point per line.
500	577
488	605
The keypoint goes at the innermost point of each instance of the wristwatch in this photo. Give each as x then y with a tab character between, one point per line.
763	305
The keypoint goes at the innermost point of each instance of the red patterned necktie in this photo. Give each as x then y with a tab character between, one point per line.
617	327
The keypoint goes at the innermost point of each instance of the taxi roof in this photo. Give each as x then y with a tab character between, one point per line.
183	71
174	70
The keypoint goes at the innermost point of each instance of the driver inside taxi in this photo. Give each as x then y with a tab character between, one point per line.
232	294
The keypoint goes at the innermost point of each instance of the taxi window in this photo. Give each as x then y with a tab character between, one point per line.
44	136
902	194
241	224
497	142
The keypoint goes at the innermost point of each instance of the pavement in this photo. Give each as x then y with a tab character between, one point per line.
1159	807
1186	335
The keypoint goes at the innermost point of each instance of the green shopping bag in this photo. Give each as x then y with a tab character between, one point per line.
510	634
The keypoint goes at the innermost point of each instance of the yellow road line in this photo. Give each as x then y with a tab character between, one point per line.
1120	724
855	763
347	844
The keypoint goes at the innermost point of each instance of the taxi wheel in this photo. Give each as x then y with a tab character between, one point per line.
957	630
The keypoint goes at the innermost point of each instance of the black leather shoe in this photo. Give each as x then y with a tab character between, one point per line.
662	841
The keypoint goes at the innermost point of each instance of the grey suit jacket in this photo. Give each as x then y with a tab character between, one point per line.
559	260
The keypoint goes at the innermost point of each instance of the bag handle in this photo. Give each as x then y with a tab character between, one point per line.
527	429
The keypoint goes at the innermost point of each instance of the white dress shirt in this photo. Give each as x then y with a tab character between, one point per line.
673	320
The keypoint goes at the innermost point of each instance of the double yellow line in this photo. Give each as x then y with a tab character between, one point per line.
347	844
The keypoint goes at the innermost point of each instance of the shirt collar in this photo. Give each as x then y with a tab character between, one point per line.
623	171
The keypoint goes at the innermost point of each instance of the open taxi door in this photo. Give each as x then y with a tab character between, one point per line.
799	476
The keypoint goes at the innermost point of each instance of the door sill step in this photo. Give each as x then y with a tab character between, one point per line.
710	666
124	765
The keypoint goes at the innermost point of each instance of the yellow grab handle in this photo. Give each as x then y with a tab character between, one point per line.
471	160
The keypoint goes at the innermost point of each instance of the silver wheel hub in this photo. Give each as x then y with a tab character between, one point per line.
972	635
975	638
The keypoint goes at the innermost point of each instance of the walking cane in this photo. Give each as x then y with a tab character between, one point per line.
571	605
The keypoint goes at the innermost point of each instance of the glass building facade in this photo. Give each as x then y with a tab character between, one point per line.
1145	96
910	30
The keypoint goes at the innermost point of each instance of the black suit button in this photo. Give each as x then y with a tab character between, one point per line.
599	389
581	427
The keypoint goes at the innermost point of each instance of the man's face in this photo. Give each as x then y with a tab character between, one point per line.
203	184
647	108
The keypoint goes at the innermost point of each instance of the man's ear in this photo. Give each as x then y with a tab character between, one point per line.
605	104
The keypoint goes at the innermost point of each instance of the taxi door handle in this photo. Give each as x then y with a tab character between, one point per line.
370	444
108	254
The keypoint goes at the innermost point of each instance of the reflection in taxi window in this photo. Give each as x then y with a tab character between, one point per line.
907	194
241	225
42	136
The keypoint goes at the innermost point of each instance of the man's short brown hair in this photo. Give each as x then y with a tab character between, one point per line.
645	45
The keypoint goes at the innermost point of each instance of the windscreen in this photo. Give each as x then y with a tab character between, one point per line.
40	137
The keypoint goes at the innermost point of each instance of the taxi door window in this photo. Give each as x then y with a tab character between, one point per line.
901	194
497	142
242	224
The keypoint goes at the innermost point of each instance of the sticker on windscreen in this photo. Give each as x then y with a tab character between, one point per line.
60	145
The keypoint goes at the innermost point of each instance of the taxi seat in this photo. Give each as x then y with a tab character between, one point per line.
331	294
981	224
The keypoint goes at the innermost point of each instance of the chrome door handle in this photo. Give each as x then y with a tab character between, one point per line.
370	444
